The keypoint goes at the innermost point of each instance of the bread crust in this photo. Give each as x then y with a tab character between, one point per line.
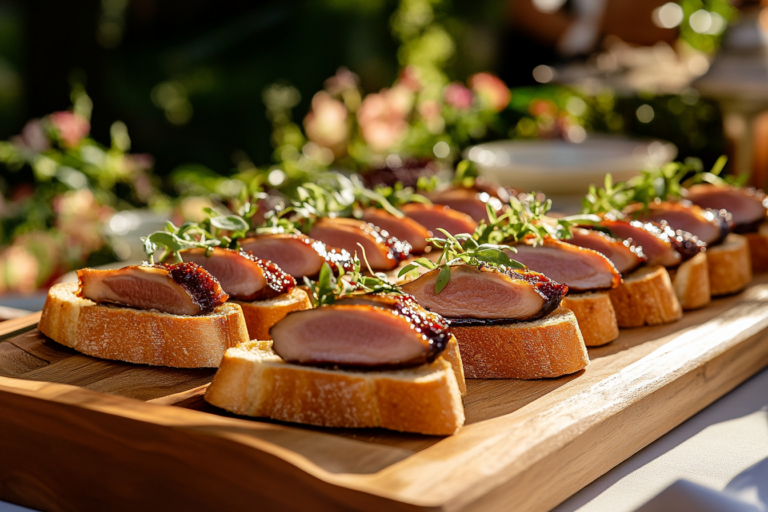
730	266
137	336
544	348
254	381
261	315
595	315
691	282
646	297
758	248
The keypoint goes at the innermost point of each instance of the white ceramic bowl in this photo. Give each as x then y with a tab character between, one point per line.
558	167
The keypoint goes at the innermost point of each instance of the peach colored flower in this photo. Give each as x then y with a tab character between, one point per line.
344	80
382	117
19	269
326	124
492	91
80	218
72	127
456	95
409	77
33	137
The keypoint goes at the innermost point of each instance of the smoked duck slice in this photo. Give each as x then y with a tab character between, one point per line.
179	289
242	275
655	239
488	293
297	254
625	256
361	335
383	251
747	206
710	226
402	228
434	216
581	269
471	201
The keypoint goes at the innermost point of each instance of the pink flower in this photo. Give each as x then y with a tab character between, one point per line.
344	80
492	91
409	77
72	127
80	218
326	124
382	117
33	137
456	95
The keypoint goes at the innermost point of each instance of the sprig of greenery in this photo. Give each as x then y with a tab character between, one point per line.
328	289
466	173
527	219
664	183
398	195
215	231
461	249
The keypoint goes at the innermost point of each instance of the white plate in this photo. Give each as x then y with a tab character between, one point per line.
565	168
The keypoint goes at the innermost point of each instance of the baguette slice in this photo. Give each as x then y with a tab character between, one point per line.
646	297
254	381
691	282
730	266
758	248
596	317
548	347
261	315
138	336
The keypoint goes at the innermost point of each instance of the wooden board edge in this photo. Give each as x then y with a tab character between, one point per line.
212	429
16	326
685	397
160	466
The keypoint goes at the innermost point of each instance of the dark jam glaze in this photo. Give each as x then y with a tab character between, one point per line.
408	173
399	250
723	220
278	282
686	244
551	291
432	327
202	287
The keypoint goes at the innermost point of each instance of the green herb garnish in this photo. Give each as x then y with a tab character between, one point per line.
328	289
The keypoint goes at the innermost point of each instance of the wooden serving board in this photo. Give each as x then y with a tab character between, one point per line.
79	433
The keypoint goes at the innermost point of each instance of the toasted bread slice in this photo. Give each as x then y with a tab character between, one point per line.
596	317
261	315
254	381
758	248
691	282
138	336
549	347
730	266
646	297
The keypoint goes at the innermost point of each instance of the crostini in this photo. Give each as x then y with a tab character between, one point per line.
160	315
364	360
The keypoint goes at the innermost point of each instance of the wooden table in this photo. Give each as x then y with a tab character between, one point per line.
81	433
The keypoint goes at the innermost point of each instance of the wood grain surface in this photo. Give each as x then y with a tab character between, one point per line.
86	434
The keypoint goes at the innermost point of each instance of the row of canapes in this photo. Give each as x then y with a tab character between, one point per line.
523	293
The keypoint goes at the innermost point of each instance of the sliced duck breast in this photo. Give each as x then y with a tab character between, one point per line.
471	201
710	226
747	206
625	256
402	228
665	246
488	293
242	275
179	289
361	335
297	254
383	251
581	269
434	216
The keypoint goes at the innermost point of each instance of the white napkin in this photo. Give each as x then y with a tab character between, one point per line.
747	492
